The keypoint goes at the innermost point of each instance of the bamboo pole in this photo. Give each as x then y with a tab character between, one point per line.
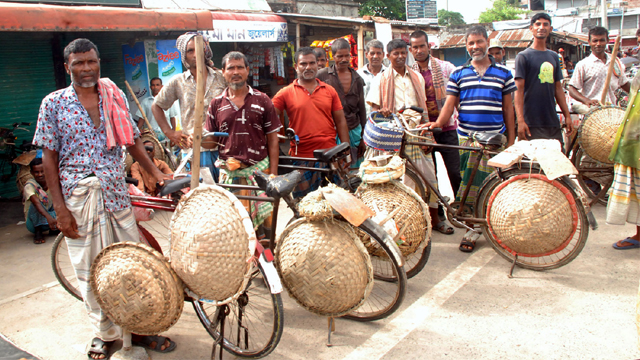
197	127
614	57
144	116
360	47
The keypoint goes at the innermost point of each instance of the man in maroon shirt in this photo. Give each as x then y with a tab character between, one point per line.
248	116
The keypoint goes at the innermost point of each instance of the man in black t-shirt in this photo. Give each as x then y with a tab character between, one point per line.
538	77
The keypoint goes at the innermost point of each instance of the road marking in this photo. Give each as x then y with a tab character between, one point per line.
29	292
395	331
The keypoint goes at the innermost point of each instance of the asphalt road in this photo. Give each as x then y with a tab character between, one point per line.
461	306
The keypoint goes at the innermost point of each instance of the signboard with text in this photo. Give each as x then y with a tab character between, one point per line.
247	31
169	61
135	70
422	11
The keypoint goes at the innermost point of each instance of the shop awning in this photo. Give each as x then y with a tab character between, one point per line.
236	5
520	38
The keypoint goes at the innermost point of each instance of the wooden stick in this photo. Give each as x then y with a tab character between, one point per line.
614	57
197	126
139	107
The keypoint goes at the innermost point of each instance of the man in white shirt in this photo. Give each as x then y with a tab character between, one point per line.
374	52
172	114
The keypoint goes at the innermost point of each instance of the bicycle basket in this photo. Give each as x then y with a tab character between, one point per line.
531	215
136	287
212	239
383	133
410	215
371	173
598	131
324	266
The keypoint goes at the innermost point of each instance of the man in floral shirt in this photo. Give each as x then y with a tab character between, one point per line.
82	130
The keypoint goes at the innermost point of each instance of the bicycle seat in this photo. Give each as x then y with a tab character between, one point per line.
484	138
280	186
328	155
171	186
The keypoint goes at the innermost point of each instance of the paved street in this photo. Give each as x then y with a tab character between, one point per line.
460	307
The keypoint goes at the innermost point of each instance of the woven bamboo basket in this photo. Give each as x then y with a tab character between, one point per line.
324	266
598	131
128	162
531	215
638	317
148	135
212	239
371	173
410	214
24	174
314	207
136	287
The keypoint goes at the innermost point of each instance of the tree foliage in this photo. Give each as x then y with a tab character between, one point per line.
389	9
449	18
501	10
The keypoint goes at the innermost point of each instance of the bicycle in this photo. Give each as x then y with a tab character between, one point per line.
9	150
460	213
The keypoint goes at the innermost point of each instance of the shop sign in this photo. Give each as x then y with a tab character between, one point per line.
169	61
135	69
247	31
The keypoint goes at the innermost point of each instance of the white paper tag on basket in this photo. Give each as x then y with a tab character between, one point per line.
205	175
272	275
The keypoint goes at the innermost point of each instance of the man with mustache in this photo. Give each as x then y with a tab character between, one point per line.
538	78
482	90
249	118
374	52
350	88
182	88
316	115
436	74
82	130
589	76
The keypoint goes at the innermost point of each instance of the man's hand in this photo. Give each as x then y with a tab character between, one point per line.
67	224
179	138
593	102
361	149
385	112
523	131
53	223
569	123
161	177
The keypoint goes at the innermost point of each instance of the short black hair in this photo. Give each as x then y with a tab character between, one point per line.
396	44
476	30
234	55
340	44
35	162
319	52
155	78
307	50
418	34
79	46
598	30
538	16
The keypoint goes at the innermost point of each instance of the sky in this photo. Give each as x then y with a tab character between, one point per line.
470	9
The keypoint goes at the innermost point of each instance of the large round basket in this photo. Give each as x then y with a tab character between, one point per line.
410	215
324	266
382	133
531	215
598	131
136	288
212	240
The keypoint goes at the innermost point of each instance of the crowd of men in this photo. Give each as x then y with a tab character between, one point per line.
84	128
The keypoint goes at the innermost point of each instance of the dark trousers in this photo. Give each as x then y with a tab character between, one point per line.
451	157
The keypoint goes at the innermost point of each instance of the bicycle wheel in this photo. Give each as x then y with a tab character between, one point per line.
254	325
418	260
158	227
62	267
390	280
554	260
591	182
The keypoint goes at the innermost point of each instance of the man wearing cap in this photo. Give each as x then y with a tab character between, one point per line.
497	51
182	88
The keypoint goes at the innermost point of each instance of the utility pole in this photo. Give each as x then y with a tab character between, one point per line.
603	11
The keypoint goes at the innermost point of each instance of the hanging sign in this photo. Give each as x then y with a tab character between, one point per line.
247	31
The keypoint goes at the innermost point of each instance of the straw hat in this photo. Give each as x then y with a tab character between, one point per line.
532	215
324	266
136	288
212	241
410	215
598	130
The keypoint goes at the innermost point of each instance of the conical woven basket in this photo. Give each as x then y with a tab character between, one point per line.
532	215
598	131
212	240
150	136
324	266
136	287
412	219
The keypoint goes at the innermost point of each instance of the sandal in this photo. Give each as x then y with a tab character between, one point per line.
444	228
147	340
99	347
468	242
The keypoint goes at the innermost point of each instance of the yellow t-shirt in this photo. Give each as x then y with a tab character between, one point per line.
32	188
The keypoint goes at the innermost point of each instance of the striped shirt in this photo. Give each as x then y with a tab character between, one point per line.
481	97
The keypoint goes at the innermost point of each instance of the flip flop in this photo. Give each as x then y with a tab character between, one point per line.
636	244
98	347
146	341
444	228
468	242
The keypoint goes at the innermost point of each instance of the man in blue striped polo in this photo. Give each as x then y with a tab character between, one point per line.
483	89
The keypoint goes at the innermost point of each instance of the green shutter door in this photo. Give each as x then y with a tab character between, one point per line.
27	66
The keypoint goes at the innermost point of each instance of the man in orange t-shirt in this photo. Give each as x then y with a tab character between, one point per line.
315	113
